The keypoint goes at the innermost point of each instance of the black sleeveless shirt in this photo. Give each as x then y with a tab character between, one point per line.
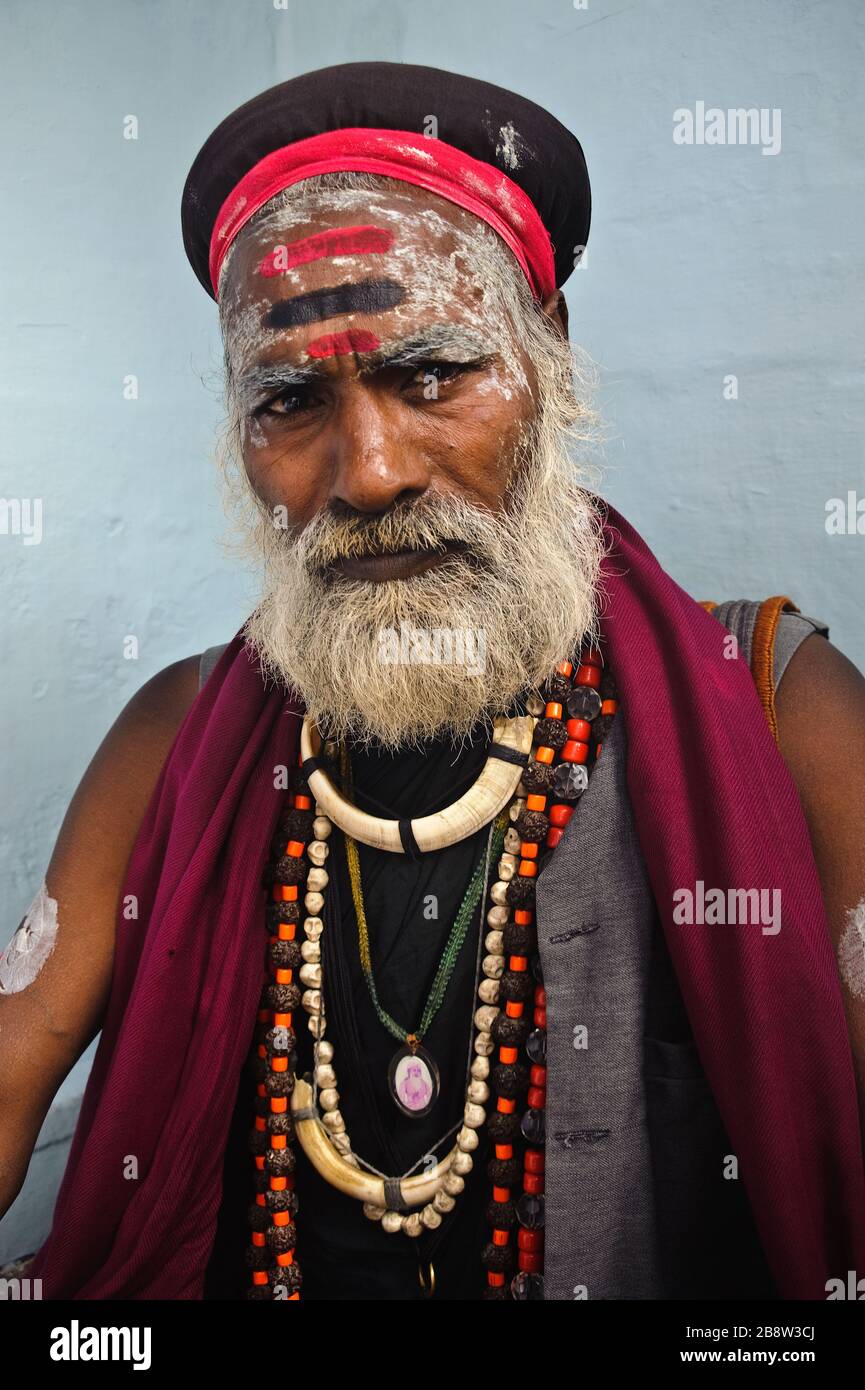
410	909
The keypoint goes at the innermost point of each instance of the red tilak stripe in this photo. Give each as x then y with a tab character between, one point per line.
339	241
338	344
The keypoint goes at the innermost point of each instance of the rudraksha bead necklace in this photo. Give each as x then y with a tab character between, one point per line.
569	726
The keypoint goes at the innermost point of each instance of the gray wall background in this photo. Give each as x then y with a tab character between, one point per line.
703	261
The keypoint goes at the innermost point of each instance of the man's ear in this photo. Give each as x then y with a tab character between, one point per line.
556	309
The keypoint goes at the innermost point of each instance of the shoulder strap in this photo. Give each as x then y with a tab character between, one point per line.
762	648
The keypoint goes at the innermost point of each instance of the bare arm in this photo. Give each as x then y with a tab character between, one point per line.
46	1026
821	723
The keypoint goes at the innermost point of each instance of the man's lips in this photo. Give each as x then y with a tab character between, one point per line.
398	564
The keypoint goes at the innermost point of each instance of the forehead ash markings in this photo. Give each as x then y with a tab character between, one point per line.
353	297
337	241
340	344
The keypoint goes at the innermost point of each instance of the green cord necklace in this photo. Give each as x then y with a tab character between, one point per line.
413	1075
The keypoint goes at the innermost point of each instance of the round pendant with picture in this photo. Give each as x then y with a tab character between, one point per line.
414	1082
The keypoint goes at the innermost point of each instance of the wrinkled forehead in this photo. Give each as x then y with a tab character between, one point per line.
401	254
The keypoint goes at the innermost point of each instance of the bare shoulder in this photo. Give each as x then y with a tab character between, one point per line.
46	1023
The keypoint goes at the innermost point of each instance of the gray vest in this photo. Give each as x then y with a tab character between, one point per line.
637	1206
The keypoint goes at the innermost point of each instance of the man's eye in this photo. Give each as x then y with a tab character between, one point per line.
286	403
440	372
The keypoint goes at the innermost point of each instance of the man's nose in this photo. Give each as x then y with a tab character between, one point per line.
374	461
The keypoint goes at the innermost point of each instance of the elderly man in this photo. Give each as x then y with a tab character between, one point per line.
520	1020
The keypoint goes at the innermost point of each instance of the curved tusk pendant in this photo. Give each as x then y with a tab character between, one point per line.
366	1187
475	808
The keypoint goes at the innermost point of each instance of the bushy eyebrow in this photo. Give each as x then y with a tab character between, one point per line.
442	342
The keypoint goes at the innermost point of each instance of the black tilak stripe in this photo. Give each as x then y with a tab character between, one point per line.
354	297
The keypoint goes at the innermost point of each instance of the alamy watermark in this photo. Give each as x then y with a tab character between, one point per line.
433	646
702	906
738	125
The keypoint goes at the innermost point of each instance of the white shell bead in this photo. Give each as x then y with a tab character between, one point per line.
495	942
467	1140
374	1213
516	809
453	1183
317	851
312	1001
478	1091
342	1144
391	1222
507	871
488	991
412	1225
328	1099
493	967
311	951
317	879
324	1052
332	1119
485	1018
430	1218
313	902
480	1068
313	928
325	1075
316	1025
535	705
474	1115
310	975
498	892
497	917
512	842
442	1202
321	826
484	1044
462	1163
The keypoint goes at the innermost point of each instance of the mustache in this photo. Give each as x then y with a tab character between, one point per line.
438	523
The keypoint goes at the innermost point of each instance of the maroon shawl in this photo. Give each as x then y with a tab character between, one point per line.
712	800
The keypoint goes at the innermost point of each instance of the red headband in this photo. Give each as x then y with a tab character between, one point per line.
402	154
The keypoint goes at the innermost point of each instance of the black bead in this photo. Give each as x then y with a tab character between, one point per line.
538	777
281	1238
534	1126
259	1217
287	1277
286	1200
257	1142
280	1041
281	1124
503	1128
296	825
502	1215
530	1211
279	1162
550	733
499	1259
509	1079
504	1172
520	892
283	998
257	1256
520	939
279	1083
290	869
278	912
536	1045
557	688
516	986
532	826
509	1032
285	955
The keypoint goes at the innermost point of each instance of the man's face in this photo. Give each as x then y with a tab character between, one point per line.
403	419
378	375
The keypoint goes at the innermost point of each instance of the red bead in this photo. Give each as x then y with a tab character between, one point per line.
560	815
588	675
532	1241
580	729
553	836
534	1183
575	752
530	1262
540	997
591	657
540	1018
538	1076
537	1098
534	1160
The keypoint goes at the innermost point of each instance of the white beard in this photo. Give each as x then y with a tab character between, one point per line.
521	599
